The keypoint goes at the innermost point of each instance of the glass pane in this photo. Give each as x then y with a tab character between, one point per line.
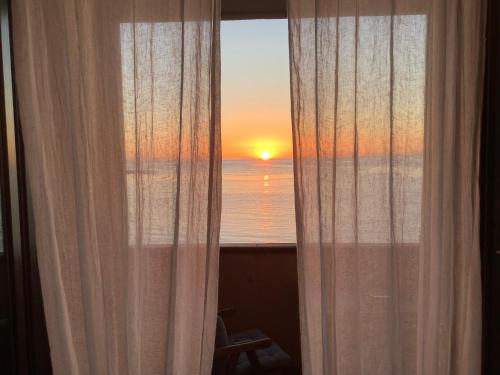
257	171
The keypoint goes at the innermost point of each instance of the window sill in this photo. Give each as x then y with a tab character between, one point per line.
260	247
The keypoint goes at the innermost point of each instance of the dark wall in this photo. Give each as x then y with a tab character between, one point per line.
6	353
490	196
261	283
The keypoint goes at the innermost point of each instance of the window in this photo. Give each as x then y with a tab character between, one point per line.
257	170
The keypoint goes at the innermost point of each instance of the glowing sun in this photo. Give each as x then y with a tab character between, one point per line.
265	155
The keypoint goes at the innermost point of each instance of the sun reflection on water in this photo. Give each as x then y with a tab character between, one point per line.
266	181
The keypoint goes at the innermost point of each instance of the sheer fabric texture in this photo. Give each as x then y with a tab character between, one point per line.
119	105
386	104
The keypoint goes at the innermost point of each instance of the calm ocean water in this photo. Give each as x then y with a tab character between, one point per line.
258	201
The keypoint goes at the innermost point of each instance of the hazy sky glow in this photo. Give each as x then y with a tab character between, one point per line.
255	89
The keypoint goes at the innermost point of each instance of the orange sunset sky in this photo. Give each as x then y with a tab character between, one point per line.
255	97
255	90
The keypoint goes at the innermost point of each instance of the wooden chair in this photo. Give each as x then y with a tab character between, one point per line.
249	352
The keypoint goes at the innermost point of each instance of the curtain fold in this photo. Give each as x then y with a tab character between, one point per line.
119	105
386	109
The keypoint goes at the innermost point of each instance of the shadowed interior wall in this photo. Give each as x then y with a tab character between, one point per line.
261	283
5	336
490	196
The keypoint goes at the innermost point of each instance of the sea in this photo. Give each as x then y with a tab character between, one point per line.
258	204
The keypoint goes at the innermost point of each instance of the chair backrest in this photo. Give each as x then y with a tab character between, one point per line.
221	339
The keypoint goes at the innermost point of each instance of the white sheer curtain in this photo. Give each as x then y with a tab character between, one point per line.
386	105
119	104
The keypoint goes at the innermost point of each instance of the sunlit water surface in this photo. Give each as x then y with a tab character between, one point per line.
258	201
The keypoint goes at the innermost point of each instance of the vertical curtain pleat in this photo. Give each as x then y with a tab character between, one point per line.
449	283
385	155
119	105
